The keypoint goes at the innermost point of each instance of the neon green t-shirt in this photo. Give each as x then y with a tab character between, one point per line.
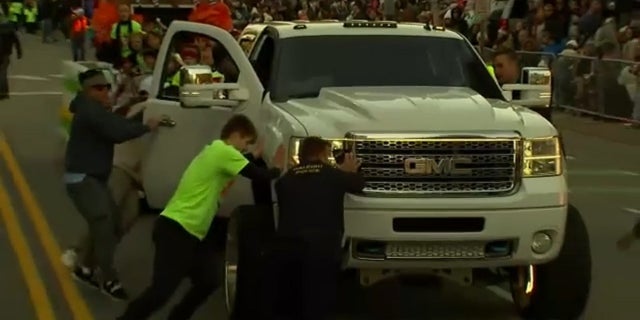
124	35
195	202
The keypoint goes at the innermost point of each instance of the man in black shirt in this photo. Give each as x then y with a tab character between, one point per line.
310	230
88	163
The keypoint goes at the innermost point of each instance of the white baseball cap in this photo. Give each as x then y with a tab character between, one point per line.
572	43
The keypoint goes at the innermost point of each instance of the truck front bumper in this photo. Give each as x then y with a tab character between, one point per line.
458	232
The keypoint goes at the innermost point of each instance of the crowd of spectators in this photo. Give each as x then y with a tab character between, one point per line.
593	46
547	26
587	40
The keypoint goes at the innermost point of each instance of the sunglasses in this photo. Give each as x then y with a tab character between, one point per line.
101	87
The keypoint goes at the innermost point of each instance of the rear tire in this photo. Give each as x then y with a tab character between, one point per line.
251	230
560	287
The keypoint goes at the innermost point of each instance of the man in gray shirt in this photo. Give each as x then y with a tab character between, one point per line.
88	164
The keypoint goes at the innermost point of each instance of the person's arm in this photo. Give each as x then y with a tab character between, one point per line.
115	128
253	172
234	163
352	182
249	156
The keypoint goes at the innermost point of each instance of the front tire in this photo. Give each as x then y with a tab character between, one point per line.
558	290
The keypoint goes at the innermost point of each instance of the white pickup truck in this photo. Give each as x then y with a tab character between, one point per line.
458	178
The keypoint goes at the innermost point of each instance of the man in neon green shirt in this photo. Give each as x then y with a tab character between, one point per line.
185	243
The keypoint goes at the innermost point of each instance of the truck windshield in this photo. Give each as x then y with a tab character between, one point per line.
308	64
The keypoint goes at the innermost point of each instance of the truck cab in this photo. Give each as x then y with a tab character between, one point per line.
458	178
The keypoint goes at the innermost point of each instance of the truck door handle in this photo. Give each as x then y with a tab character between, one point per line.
167	122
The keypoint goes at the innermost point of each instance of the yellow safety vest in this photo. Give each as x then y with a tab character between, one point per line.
492	71
15	11
30	15
175	79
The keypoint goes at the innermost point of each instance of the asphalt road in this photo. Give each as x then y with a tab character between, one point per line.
604	174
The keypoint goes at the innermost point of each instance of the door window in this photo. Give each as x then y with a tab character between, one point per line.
189	48
262	59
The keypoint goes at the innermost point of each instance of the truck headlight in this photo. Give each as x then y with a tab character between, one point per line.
338	148
542	157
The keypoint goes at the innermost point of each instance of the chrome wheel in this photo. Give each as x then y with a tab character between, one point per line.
231	267
230	285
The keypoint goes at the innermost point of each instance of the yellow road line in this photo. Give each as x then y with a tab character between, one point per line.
37	290
77	305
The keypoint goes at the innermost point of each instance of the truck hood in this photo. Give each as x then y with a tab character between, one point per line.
337	111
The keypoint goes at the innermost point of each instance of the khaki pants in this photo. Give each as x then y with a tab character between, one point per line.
125	194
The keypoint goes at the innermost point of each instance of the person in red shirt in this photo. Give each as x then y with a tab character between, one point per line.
79	27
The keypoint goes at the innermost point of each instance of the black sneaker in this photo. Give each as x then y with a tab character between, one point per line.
114	290
86	276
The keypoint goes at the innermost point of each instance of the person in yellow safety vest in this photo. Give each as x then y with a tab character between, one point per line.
16	13
121	32
190	55
31	17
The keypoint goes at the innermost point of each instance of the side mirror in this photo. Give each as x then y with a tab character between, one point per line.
531	95
535	89
214	94
536	75
197	74
198	89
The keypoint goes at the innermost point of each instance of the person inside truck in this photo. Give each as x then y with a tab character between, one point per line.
187	235
208	58
190	55
223	63
308	250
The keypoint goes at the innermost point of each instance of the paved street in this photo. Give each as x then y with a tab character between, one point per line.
604	172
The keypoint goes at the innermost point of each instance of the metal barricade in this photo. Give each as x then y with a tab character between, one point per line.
535	59
601	87
574	83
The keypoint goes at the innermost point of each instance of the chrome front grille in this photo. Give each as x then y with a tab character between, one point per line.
436	250
489	166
